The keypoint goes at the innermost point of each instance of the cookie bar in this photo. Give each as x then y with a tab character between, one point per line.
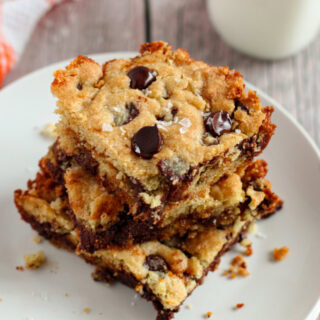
103	220
158	271
158	127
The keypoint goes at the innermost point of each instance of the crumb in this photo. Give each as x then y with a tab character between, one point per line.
239	306
1	300
247	244
34	260
20	268
189	306
86	310
49	131
253	228
66	294
208	315
238	268
37	239
280	254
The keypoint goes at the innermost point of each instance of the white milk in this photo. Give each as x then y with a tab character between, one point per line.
267	29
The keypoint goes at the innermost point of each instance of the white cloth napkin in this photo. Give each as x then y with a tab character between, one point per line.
17	21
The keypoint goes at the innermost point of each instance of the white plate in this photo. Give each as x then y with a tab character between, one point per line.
277	291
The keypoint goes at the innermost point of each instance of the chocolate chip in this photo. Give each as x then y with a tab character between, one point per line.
124	114
141	77
156	263
79	86
146	142
218	123
132	112
86	161
174	111
239	104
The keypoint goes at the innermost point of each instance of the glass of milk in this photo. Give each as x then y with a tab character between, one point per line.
266	29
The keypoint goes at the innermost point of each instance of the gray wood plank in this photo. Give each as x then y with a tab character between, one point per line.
294	82
82	27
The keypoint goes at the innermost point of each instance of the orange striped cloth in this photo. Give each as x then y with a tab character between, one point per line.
17	21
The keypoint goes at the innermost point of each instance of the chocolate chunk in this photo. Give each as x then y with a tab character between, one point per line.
141	77
79	86
156	263
239	104
132	112
174	111
86	161
146	142
218	123
123	115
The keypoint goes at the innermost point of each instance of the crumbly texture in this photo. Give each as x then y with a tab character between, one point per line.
280	254
159	271
104	220
50	131
238	268
95	103
34	260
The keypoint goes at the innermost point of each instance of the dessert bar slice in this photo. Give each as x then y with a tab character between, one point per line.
104	220
162	272
159	126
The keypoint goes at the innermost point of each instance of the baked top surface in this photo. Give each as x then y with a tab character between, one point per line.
189	113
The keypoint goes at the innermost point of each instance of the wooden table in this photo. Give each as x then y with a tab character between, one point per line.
95	26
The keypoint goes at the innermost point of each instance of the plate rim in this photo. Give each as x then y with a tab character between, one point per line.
314	312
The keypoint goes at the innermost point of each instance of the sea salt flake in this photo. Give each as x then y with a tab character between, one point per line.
237	131
183	130
170	105
146	91
185	122
107	127
122	131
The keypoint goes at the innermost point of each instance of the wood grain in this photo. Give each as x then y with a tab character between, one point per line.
294	82
82	27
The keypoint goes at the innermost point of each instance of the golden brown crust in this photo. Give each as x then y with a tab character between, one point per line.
192	87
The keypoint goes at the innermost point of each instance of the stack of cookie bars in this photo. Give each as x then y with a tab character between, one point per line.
152	178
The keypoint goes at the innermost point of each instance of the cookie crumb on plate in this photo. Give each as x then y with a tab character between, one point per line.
280	254
239	306
37	239
86	310
49	131
34	260
238	268
208	315
20	268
